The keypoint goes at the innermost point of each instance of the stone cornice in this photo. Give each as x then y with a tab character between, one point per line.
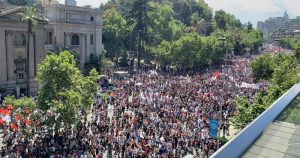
75	8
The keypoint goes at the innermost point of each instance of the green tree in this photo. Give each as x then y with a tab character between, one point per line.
64	90
21	103
140	21
249	26
186	12
297	49
285	74
220	17
262	68
114	33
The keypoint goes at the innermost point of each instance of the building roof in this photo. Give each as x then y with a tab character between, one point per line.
41	19
275	133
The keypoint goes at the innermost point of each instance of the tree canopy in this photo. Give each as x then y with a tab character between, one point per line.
64	90
151	27
282	71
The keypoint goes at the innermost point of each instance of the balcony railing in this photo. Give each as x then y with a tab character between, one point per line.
237	146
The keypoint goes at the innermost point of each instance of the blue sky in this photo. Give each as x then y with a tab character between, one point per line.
245	10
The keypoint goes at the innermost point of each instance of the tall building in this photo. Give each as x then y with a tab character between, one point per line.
67	27
278	27
70	2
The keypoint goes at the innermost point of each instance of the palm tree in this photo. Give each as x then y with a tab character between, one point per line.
30	16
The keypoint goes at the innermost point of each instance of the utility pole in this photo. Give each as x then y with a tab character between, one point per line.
137	52
223	92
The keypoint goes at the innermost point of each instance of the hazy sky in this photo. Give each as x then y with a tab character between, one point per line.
245	10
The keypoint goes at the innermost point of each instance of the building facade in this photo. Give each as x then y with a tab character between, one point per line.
278	27
13	52
74	28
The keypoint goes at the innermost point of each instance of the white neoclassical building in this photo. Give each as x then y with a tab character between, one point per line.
13	52
78	29
75	28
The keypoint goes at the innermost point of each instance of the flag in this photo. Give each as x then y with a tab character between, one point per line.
26	121
10	107
27	111
4	111
217	75
14	126
7	118
17	117
213	127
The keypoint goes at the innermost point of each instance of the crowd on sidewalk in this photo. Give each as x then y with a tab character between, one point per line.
151	115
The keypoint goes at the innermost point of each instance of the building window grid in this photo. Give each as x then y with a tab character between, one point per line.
91	39
20	76
75	40
20	64
20	39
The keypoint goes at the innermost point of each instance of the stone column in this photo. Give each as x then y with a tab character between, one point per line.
98	42
3	62
88	47
31	58
82	49
68	39
10	61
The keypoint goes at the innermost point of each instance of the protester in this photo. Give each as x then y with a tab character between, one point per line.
154	115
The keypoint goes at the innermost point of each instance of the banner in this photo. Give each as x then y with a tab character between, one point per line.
213	127
248	85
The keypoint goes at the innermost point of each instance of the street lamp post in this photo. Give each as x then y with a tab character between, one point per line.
223	90
137	52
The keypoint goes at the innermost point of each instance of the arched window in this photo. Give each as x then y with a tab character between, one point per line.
20	39
75	40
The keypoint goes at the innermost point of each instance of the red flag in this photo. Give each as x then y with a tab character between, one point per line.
27	111
10	107
1	111
26	121
17	117
217	75
14	126
5	112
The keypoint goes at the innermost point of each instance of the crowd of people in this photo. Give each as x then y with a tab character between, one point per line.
151	115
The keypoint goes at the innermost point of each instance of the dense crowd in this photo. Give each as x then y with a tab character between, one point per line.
151	115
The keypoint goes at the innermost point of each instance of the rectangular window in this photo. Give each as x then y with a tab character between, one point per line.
91	57
91	39
20	63
21	76
92	18
50	38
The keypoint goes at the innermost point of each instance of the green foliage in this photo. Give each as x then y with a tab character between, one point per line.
220	17
223	140
297	49
30	14
289	42
106	63
150	27
246	111
225	21
262	68
191	51
21	103
283	72
114	33
64	90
